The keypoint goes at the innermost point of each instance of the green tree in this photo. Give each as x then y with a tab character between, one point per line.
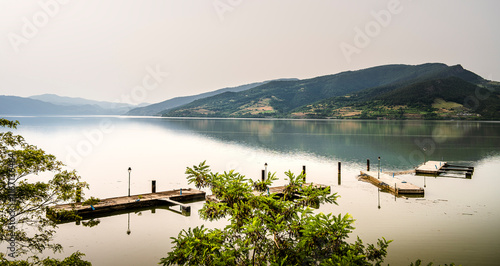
268	229
24	197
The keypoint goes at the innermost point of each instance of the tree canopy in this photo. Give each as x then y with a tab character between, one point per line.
24	197
269	229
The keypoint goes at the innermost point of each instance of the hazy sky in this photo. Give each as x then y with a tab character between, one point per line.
122	50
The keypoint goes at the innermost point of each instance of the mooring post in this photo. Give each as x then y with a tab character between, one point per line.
180	191
153	186
367	164
263	175
340	173
304	172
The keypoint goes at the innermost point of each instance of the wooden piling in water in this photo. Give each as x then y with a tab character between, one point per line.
153	186
367	164
304	172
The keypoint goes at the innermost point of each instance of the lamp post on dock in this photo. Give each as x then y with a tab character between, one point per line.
129	170
265	171
378	172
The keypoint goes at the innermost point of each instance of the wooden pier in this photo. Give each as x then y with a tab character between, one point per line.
391	184
435	168
116	204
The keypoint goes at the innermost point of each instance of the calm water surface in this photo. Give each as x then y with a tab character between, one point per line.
457	220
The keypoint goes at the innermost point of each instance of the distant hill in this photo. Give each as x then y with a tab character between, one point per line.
158	108
320	97
13	105
50	104
106	107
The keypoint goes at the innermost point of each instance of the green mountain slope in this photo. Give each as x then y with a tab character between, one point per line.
281	98
442	98
157	108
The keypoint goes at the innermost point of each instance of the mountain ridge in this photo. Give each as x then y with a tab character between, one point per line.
157	108
281	98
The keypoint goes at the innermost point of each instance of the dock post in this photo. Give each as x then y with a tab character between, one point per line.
263	175
153	186
304	172
367	164
340	173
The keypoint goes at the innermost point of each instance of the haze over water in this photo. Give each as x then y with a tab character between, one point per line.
456	221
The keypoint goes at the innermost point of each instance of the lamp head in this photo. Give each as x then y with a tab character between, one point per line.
129	169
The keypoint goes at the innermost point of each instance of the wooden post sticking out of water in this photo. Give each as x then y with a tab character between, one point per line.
263	175
304	172
153	186
340	173
367	164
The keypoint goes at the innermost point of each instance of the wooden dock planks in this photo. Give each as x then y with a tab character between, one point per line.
109	205
392	184
436	168
430	168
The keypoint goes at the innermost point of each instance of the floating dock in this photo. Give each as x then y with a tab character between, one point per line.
435	168
110	205
279	191
392	184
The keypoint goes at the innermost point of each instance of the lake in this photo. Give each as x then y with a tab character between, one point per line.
456	221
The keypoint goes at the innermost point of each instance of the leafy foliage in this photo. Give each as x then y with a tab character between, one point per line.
24	198
268	229
91	201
